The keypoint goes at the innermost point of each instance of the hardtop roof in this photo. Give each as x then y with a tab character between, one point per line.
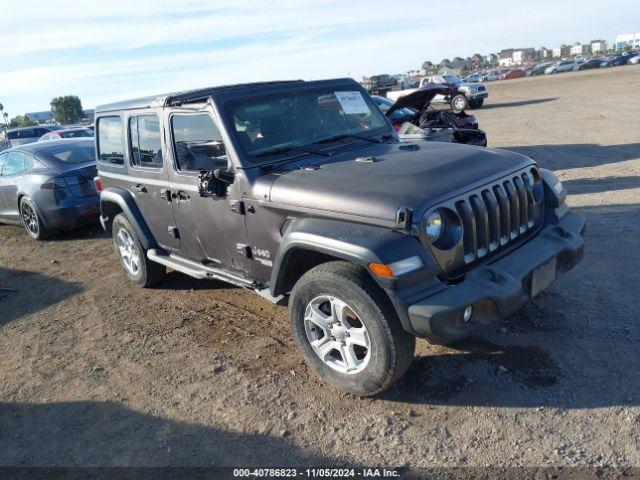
201	95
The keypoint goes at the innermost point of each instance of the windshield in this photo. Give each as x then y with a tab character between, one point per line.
76	133
451	79
72	153
276	122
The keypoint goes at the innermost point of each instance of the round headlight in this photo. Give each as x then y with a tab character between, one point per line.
434	226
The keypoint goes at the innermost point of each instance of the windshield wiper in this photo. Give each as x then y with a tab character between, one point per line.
278	150
342	136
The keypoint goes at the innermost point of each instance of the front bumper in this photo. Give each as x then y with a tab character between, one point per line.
499	289
478	96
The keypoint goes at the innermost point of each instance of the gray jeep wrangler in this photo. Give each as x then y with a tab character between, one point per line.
302	192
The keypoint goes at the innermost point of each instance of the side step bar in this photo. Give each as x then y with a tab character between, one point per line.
198	270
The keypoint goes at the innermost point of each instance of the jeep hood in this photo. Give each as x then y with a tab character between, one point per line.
398	177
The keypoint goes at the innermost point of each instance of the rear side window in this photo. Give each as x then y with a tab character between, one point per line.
15	163
146	146
110	142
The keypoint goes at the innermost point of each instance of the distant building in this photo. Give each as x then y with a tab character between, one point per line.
598	46
523	55
543	53
491	58
41	117
506	57
627	40
428	68
580	49
562	51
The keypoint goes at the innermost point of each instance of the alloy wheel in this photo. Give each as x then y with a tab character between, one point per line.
337	335
30	219
128	252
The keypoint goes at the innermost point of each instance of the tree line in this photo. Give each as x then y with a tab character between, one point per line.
66	110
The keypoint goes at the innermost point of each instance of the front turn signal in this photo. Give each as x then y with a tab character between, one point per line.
381	270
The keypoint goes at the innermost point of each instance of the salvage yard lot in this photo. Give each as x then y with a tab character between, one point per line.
96	372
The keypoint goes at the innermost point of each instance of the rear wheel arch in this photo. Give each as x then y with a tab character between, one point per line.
109	210
115	201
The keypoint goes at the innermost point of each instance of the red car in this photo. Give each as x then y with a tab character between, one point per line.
517	73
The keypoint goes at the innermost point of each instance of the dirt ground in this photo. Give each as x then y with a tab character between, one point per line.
96	372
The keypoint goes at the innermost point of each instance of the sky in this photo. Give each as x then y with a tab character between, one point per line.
105	51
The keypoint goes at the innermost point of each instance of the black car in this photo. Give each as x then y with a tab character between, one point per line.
589	64
303	193
48	186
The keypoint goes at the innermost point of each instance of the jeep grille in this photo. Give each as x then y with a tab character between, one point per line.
493	218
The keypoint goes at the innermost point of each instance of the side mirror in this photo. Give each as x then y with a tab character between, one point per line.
224	176
214	183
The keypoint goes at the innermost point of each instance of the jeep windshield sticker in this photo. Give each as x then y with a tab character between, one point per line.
352	102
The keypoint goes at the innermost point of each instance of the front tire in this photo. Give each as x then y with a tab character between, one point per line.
347	330
459	103
31	220
139	269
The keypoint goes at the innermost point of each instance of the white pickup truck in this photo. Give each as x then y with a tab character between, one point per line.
469	94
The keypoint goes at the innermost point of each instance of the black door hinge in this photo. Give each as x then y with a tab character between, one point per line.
173	231
237	206
244	250
165	194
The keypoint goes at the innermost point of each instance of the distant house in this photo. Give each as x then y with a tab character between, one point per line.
41	117
428	68
491	58
523	55
598	46
562	51
580	49
544	53
455	66
506	57
627	40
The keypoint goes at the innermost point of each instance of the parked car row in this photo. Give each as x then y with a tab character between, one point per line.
22	136
554	67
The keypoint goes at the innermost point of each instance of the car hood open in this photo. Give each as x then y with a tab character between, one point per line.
422	97
376	181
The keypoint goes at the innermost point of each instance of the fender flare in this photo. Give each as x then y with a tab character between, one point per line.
358	243
127	205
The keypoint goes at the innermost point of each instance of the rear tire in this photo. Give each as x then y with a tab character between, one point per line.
138	268
347	329
459	103
32	220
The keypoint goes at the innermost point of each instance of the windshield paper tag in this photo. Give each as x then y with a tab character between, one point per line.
352	102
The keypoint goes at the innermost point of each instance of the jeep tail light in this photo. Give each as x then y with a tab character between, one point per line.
98	184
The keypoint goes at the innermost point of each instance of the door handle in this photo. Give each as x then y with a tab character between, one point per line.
139	188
